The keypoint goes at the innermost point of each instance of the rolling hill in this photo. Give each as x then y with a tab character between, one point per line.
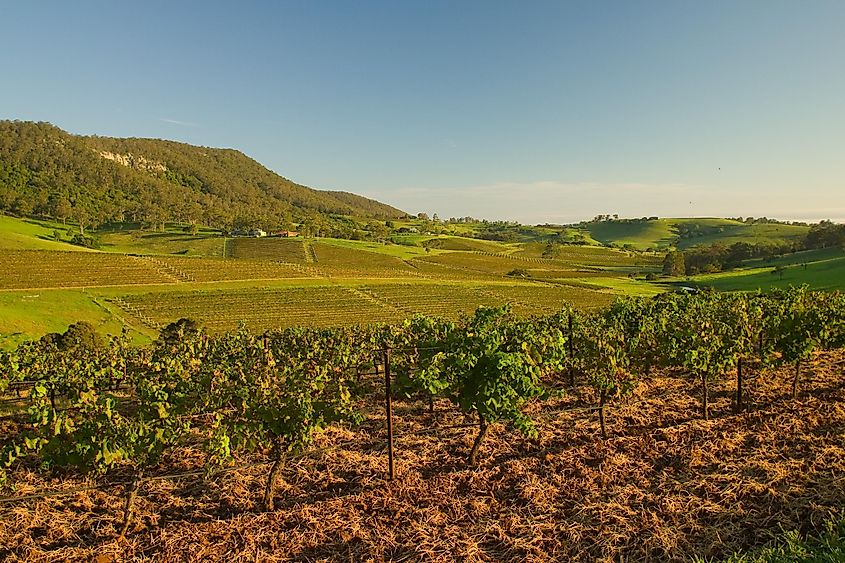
685	233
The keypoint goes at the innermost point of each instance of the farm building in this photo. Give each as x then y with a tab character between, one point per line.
256	233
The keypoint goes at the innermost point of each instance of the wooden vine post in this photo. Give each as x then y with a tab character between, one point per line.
571	347
738	405
388	407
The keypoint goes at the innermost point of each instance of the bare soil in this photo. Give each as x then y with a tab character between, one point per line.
664	486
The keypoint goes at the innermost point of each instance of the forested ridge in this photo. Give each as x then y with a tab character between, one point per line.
95	180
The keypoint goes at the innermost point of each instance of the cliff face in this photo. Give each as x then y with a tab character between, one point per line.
136	162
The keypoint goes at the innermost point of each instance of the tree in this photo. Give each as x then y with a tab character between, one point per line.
62	209
673	264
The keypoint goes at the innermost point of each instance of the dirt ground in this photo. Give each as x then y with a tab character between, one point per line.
664	486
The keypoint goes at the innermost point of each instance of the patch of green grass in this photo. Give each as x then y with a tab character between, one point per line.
31	314
399	250
172	241
804	257
791	547
639	234
466	244
30	234
763	233
825	274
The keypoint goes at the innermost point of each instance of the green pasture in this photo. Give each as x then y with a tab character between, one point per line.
397	249
31	234
31	314
828	274
762	233
639	234
665	233
171	241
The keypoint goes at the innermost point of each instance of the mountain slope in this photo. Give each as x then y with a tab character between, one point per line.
93	180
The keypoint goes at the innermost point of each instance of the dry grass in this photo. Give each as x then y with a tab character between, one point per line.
665	485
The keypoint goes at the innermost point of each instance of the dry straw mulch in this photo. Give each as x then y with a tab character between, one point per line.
665	485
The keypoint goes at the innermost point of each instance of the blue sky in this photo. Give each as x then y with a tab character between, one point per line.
534	111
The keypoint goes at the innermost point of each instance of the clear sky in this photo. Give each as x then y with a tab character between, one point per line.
527	110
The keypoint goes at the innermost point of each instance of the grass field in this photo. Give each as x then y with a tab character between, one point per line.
30	234
397	250
754	234
27	314
823	274
466	244
173	241
640	234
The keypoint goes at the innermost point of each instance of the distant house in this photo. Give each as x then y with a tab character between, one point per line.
405	230
257	233
284	234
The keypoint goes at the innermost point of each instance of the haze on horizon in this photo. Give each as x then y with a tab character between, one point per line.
546	111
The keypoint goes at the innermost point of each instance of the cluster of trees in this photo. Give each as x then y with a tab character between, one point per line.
93	181
719	257
825	235
766	221
615	218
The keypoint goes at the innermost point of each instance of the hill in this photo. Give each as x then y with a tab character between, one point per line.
95	180
684	233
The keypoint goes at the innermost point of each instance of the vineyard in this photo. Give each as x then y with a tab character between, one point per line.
262	308
594	256
275	249
218	269
655	429
600	264
34	269
335	305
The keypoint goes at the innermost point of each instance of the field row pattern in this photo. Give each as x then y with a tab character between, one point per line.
263	309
